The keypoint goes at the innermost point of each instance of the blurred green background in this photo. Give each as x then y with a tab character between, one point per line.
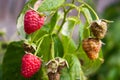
110	69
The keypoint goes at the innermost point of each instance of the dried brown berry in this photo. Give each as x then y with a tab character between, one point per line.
56	65
99	28
62	64
54	68
28	48
92	47
54	76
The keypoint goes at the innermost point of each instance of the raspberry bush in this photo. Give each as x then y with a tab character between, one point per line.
47	50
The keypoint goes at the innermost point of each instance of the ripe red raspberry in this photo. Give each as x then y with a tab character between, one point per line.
30	65
92	47
32	21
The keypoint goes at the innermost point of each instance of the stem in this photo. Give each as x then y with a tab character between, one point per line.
65	15
52	49
91	9
39	46
34	36
62	22
41	14
42	38
72	5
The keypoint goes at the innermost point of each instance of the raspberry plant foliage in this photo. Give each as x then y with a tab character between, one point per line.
54	40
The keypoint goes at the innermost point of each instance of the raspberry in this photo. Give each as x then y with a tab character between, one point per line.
92	47
30	65
32	21
99	28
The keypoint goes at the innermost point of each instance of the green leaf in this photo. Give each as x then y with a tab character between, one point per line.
54	20
12	61
74	72
45	49
43	73
20	20
48	5
68	44
71	5
65	74
66	33
84	31
81	31
58	18
87	14
68	27
58	47
40	33
73	20
88	66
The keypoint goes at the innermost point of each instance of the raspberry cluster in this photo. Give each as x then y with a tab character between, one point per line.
31	64
93	45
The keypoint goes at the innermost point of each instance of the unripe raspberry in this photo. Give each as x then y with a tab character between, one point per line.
99	28
32	21
30	65
92	47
